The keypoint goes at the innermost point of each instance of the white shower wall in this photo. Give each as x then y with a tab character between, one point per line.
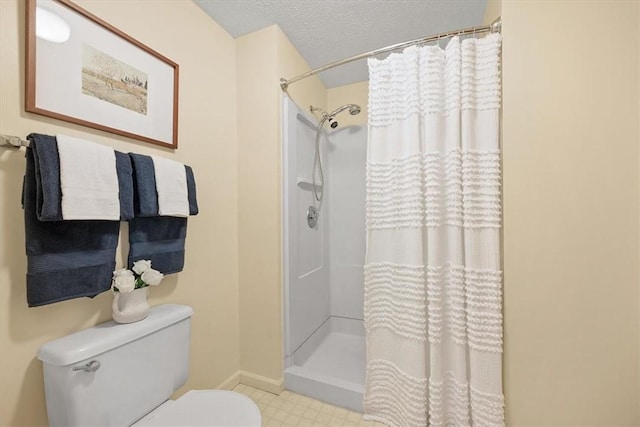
323	267
306	258
345	164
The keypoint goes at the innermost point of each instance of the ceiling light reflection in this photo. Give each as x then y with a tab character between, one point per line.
51	27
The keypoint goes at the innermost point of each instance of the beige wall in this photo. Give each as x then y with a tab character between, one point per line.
290	64
262	58
571	136
492	11
258	205
207	135
355	93
570	140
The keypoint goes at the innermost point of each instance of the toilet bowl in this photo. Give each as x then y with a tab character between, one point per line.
124	374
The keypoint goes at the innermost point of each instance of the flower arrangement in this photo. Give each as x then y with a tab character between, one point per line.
141	275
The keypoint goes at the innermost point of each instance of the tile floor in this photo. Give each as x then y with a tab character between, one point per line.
291	409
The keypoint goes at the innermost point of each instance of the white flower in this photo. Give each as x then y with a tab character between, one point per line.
152	277
141	266
122	272
124	282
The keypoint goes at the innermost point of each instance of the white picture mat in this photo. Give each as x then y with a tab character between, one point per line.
59	78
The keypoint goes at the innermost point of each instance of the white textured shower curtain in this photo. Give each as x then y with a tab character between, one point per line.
433	281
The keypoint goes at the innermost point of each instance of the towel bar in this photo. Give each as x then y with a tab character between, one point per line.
13	141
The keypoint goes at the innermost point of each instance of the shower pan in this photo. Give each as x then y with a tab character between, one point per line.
324	345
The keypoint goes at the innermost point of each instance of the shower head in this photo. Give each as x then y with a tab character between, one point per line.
353	110
330	117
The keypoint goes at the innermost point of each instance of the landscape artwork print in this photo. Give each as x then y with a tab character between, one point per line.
113	81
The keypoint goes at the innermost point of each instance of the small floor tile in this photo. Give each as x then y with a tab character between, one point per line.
294	410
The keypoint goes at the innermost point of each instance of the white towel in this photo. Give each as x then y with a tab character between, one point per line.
171	185
88	180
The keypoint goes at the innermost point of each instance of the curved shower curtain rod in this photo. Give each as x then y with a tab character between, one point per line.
494	27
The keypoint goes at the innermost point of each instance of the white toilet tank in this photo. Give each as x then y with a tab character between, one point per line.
140	366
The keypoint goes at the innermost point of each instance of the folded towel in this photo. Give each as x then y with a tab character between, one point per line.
65	259
191	187
160	239
88	179
49	196
145	195
145	198
125	185
171	186
47	174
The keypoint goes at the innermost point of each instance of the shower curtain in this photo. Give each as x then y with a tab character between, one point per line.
433	281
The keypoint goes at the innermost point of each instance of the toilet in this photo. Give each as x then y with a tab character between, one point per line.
124	374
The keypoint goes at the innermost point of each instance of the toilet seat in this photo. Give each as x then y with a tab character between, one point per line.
205	408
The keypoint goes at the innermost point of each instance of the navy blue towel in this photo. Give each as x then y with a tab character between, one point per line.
145	197
160	239
46	173
191	191
125	185
65	259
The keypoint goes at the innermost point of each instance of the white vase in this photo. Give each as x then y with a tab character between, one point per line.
129	307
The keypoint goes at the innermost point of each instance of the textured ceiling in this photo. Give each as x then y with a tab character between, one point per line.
324	31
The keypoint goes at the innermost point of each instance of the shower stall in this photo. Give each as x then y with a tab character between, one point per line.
323	255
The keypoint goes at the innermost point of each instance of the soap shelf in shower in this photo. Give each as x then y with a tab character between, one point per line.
305	183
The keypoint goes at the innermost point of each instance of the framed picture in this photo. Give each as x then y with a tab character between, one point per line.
83	70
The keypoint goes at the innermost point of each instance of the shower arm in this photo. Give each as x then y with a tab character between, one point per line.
325	115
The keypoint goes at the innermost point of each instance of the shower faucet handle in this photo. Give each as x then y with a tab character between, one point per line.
92	366
312	217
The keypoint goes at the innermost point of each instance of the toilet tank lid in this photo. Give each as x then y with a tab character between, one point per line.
109	335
